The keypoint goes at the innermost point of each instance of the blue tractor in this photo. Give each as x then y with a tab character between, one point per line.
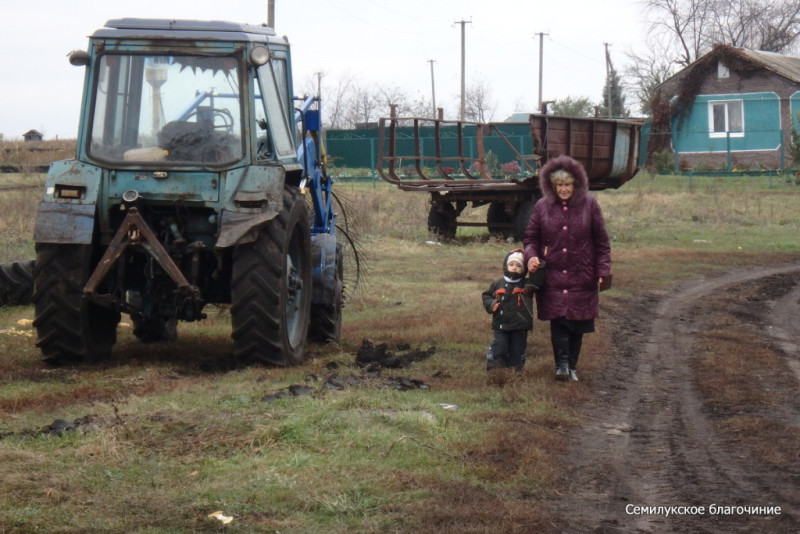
196	181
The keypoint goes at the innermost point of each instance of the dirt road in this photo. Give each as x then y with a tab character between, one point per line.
662	450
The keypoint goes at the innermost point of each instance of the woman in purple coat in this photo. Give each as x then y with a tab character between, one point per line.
567	235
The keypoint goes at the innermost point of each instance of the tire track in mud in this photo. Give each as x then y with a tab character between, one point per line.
648	441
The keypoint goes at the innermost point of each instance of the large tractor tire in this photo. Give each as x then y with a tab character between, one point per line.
69	327
16	283
326	319
271	288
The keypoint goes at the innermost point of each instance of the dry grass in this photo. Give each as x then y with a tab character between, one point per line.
175	432
27	156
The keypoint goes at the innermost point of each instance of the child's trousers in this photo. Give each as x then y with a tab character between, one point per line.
508	349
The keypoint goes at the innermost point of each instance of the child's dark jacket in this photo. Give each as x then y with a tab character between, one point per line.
516	305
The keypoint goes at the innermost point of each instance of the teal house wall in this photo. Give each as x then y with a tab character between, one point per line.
762	129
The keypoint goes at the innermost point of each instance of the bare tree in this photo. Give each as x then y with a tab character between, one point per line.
478	103
335	96
695	26
686	21
779	31
363	106
646	71
684	30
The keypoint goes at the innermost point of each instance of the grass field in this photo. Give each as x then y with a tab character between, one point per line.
166	435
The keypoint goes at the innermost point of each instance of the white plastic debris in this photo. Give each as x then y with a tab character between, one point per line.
224	519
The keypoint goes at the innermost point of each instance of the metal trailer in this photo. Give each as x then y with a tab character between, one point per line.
457	172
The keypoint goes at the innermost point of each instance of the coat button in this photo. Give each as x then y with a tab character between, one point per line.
564	228
564	249
564	271
565	291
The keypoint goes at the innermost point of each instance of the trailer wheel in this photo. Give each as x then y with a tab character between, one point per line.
498	220
521	219
271	288
16	283
69	327
442	220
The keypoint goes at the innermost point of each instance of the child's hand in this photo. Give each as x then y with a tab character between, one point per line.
495	306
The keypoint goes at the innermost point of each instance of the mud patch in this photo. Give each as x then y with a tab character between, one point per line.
371	356
660	434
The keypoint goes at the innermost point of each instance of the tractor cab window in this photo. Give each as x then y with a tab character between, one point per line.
273	94
184	110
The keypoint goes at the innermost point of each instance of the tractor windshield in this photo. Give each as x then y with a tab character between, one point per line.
183	110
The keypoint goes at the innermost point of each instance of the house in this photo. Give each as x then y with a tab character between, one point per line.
732	109
32	135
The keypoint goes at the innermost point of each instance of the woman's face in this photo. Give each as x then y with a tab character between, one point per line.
565	189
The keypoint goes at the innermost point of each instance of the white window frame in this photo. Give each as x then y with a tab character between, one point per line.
722	71
727	106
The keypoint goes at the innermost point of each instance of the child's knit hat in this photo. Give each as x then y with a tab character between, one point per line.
515	256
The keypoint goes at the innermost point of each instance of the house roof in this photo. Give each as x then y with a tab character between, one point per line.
785	66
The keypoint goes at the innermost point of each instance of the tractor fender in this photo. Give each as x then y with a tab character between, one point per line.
238	228
66	214
253	197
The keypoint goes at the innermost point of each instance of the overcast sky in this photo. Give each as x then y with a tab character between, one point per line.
378	41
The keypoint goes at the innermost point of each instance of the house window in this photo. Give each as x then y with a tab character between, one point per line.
726	118
722	70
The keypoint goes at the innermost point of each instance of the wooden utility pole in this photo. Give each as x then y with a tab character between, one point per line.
433	88
463	64
608	80
271	13
541	62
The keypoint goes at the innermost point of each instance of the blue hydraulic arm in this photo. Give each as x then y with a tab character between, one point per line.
311	154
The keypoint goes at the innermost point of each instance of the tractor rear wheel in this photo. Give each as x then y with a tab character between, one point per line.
271	288
69	327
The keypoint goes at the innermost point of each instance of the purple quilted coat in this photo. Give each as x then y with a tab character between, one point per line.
571	237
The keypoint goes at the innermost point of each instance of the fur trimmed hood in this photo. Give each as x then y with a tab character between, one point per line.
571	166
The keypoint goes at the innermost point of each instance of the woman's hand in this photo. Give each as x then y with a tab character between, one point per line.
533	264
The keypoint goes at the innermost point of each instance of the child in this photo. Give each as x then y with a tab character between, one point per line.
509	301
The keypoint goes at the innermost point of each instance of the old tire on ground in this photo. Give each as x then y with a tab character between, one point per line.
69	327
521	218
16	283
326	319
271	288
498	221
442	220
